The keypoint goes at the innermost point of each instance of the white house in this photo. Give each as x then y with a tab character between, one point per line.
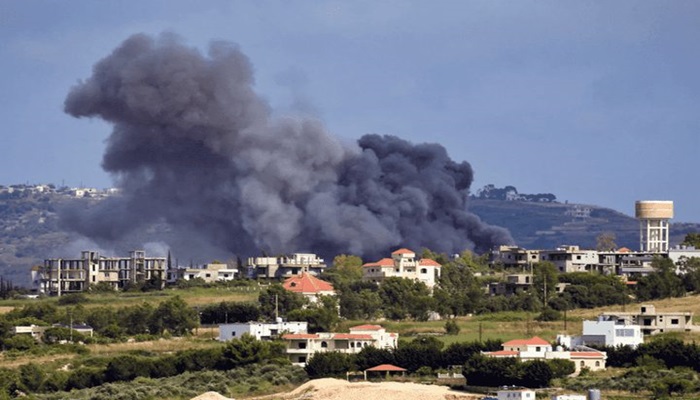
537	348
261	330
301	347
403	264
607	333
209	273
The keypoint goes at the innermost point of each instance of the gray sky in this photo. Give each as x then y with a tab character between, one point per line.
596	102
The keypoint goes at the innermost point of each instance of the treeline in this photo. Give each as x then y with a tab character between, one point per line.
665	367
172	317
96	371
425	355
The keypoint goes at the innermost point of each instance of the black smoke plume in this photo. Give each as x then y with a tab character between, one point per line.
195	146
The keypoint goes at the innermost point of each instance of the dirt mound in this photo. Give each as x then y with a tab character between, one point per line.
337	389
211	396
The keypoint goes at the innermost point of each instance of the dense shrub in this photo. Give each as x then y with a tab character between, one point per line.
329	364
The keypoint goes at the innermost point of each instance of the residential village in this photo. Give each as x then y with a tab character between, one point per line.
511	274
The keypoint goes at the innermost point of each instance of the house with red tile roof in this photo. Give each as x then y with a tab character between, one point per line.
309	286
536	348
403	264
301	347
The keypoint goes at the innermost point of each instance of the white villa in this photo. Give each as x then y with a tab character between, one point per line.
302	346
537	348
403	264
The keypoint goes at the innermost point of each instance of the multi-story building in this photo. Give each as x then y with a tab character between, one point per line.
513	284
285	266
403	264
514	257
302	346
572	259
651	321
539	349
59	276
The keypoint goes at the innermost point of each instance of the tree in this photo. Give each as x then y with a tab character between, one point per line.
175	316
690	268
606	242
247	350
403	297
661	283
536	373
321	316
692	239
276	299
329	364
451	327
371	356
458	291
346	268
422	351
359	300
544	280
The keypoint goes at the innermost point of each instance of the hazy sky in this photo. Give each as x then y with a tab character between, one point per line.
597	102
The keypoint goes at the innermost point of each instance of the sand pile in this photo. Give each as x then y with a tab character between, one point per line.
337	389
211	396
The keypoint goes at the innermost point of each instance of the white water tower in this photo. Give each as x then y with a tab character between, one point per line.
653	216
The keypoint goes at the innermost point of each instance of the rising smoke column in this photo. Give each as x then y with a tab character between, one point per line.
195	146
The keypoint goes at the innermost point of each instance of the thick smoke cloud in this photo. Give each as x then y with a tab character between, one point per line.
194	145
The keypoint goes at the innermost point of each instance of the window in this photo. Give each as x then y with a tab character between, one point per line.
302	359
674	321
302	345
538	348
423	270
324	345
583	364
597	363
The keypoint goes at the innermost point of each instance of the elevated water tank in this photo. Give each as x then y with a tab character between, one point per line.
653	216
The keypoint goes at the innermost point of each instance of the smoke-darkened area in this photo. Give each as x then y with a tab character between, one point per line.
193	145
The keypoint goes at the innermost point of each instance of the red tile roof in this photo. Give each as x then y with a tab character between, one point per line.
385	368
403	251
534	341
384	262
299	336
352	336
428	261
306	283
366	328
502	353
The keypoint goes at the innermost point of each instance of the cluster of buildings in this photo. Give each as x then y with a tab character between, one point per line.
301	345
299	271
77	192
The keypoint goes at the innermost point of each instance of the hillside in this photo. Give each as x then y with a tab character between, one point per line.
30	228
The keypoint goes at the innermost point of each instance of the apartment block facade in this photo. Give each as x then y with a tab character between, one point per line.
60	276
